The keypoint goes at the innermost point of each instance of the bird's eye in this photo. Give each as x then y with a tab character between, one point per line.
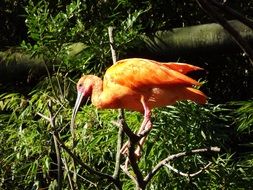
80	85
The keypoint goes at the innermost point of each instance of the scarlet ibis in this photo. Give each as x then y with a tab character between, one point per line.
139	84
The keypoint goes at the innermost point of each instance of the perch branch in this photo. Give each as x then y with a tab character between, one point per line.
133	138
133	161
122	124
175	156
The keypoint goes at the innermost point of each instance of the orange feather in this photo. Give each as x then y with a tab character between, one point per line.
128	80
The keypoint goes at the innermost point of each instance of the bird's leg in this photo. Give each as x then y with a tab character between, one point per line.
145	131
124	148
146	126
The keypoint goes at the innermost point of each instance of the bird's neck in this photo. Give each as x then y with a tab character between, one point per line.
97	90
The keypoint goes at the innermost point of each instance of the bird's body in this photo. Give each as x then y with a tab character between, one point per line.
124	84
139	85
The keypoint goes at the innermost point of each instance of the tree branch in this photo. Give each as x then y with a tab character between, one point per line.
118	154
131	135
110	32
51	120
188	174
121	112
150	175
85	166
61	144
133	161
69	177
121	115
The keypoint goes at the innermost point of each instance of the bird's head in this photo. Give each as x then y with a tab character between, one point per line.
84	90
84	86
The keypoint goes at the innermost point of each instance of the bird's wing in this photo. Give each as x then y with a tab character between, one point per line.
179	67
137	73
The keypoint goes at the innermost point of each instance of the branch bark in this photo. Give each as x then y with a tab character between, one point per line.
151	174
121	115
188	174
60	144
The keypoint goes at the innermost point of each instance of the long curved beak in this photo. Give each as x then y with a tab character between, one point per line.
79	98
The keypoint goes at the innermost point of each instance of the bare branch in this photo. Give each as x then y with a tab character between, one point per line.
133	161
69	177
124	169
188	174
51	120
59	142
110	31
85	166
133	138
43	116
121	115
118	154
175	156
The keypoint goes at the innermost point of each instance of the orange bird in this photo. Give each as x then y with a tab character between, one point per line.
139	85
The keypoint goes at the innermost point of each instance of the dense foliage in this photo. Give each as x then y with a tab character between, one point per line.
50	29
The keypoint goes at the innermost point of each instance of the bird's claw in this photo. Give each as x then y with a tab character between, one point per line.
125	150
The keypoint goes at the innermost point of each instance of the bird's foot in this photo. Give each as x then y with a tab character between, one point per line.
137	156
137	153
143	135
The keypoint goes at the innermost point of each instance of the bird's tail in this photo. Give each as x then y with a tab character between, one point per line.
196	95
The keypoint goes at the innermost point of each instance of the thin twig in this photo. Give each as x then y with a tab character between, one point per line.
69	177
61	144
110	32
59	163
85	166
43	116
150	175
57	148
84	179
118	154
51	120
124	169
188	174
